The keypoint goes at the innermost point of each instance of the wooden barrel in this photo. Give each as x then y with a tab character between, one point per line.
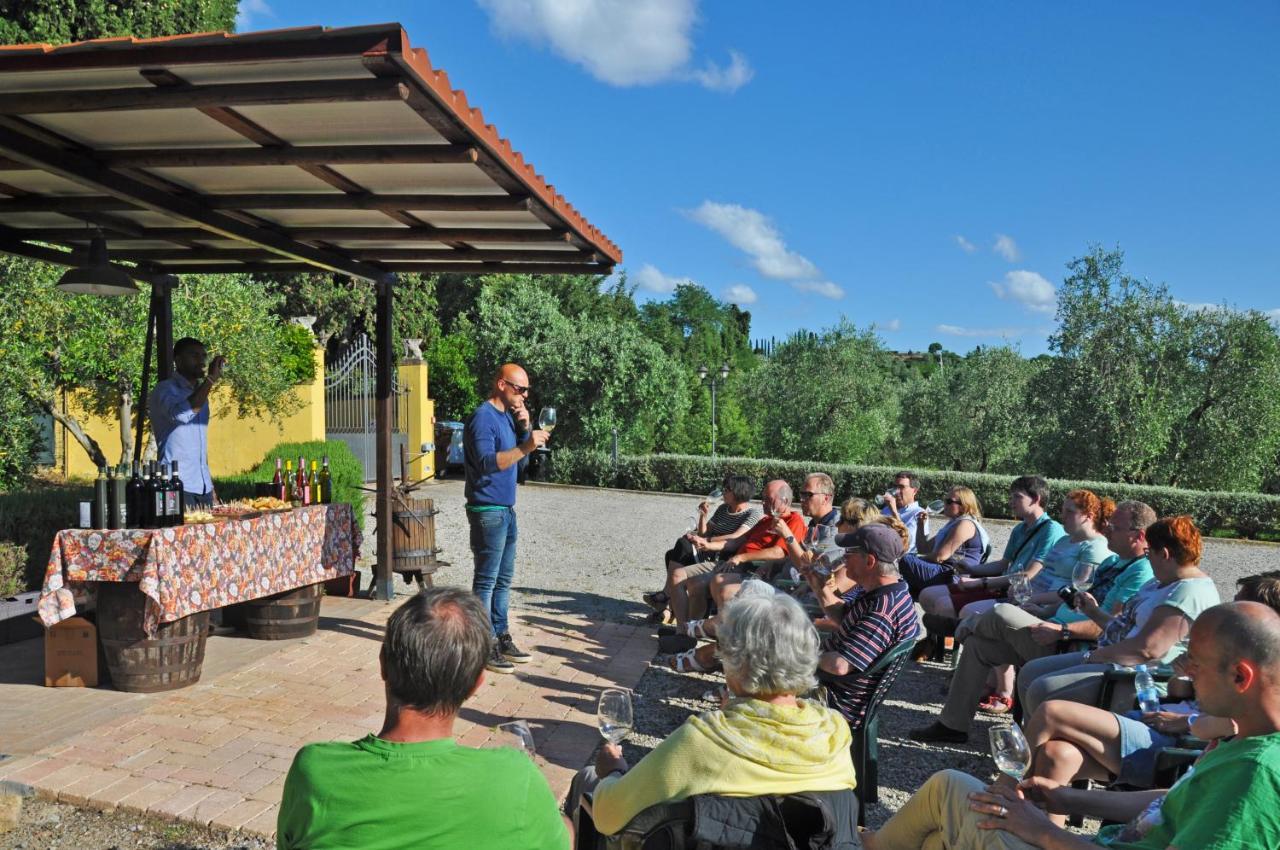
140	664
283	616
413	537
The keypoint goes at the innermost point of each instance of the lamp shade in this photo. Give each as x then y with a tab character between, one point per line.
98	276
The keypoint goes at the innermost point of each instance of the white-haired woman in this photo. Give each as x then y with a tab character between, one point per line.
766	740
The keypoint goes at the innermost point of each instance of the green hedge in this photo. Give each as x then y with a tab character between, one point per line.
345	470
1248	514
30	518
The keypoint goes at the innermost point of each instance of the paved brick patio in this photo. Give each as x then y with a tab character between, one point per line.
217	753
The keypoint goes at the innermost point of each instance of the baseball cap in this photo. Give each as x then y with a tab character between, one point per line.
877	538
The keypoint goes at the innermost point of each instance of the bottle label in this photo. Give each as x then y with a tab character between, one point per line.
160	506
171	503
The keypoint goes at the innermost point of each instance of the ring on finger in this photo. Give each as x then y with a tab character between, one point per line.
1001	812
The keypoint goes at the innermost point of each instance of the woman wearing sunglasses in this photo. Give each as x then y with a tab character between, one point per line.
960	544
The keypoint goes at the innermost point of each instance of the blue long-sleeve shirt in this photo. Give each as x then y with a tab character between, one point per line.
488	432
182	434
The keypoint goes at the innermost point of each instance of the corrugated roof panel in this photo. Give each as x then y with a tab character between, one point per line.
150	128
354	123
424	179
257	178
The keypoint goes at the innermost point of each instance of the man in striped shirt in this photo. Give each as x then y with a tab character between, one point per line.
874	617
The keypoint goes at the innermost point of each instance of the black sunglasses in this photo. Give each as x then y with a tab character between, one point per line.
952	502
519	389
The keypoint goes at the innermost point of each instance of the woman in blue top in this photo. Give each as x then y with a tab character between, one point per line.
958	546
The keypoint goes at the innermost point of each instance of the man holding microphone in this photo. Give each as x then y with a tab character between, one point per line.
496	440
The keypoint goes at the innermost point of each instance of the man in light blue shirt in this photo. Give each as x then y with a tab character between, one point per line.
179	411
900	502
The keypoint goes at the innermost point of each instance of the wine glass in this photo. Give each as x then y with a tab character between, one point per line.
819	538
516	733
1082	576
1019	589
614	715
547	419
1010	750
936	506
715	495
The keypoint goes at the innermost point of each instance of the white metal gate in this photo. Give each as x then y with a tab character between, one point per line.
350	404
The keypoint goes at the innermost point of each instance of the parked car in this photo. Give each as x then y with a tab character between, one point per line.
449	455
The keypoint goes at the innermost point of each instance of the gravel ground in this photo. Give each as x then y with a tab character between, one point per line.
562	569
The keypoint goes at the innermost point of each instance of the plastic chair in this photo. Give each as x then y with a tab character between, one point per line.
672	825
865	748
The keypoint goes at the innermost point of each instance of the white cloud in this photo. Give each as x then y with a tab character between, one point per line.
725	79
890	326
1274	315
964	244
249	10
825	288
619	42
650	279
1007	248
1028	289
957	330
751	232
740	294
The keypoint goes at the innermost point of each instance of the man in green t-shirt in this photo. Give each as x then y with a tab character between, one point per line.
1227	801
411	785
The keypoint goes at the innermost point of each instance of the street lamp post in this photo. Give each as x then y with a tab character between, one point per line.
703	373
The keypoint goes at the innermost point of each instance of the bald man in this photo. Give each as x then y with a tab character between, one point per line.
1227	802
493	455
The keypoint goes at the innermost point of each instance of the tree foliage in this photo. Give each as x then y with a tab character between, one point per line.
64	21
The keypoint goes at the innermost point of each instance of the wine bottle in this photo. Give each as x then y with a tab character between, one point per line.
100	499
151	516
326	483
314	477
119	499
303	487
178	506
288	481
164	520
133	495
277	483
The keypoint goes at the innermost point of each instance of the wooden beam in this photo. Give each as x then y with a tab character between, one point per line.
437	268
195	97
478	235
301	155
283	201
85	172
12	242
251	255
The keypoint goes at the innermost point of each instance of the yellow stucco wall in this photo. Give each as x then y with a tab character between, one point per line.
237	444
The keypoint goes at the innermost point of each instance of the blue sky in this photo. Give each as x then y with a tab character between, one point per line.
927	167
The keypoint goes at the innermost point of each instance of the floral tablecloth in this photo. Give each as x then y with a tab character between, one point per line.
203	566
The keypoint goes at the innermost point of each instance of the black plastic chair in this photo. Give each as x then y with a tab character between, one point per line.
804	817
865	748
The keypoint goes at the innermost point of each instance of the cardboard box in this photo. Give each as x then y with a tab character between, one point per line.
71	654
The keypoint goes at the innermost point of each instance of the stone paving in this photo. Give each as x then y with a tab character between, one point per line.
217	752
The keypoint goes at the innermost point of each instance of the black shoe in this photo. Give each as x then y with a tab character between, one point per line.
508	649
936	733
657	600
498	664
666	629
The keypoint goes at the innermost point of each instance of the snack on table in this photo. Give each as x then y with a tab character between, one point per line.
237	508
198	516
268	503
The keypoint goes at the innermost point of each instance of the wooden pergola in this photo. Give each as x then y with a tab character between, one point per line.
338	150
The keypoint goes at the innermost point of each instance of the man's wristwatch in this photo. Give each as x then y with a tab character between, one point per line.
790	538
1066	633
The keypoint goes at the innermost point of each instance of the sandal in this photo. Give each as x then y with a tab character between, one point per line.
996	704
698	629
687	662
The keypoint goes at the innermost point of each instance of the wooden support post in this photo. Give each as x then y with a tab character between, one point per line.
383	578
162	291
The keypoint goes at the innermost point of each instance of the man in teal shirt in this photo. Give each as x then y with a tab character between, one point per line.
411	785
1227	801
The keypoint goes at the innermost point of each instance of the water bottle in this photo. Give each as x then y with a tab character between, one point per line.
1148	696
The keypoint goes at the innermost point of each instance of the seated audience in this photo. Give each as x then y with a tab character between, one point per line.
1228	801
761	545
1029	542
411	785
957	547
1146	631
734	518
766	739
1009	635
900	503
873	618
855	512
1071	741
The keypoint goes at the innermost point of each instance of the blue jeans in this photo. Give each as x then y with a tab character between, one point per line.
493	546
919	573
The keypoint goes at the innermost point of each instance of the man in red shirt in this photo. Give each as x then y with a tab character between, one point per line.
762	543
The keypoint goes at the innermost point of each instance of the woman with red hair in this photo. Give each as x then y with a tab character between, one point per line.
1148	630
